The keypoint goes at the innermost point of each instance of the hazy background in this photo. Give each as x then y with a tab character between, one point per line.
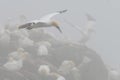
106	12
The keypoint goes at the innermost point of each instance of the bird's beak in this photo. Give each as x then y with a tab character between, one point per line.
59	28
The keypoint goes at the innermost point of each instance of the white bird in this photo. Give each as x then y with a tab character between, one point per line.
44	69
69	67
85	61
13	65
43	48
44	21
66	67
61	78
58	76
20	54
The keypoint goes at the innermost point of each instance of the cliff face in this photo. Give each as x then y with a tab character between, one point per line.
93	70
89	64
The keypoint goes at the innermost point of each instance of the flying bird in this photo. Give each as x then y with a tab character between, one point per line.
44	21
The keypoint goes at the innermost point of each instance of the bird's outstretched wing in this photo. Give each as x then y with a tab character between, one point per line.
47	18
27	25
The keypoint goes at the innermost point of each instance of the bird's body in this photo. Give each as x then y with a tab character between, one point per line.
43	48
44	21
20	54
45	73
61	78
44	69
66	67
15	60
13	65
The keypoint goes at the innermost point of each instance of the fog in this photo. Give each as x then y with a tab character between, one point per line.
105	41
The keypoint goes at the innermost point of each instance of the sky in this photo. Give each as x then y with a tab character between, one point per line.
106	12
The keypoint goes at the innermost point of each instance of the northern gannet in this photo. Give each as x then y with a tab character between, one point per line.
44	21
66	67
19	54
44	70
43	48
13	65
57	76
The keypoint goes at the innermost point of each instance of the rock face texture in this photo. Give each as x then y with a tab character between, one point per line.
88	65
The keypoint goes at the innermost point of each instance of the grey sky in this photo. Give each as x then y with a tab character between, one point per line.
106	12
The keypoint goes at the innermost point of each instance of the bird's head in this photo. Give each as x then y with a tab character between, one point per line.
56	24
22	53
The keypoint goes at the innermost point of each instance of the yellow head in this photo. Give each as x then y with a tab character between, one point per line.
56	24
22	53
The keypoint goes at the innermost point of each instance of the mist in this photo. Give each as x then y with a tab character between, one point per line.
105	41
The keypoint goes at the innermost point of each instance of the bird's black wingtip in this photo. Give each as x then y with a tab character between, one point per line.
20	27
59	29
63	11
